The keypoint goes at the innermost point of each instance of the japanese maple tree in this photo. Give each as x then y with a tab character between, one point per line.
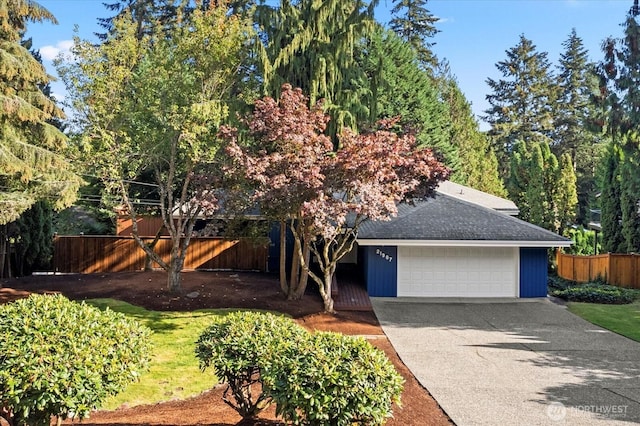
323	195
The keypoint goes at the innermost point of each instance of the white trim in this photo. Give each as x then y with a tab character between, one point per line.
464	243
517	277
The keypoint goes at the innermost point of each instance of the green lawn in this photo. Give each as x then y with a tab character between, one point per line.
174	371
622	319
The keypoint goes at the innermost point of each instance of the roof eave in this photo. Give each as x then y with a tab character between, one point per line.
462	243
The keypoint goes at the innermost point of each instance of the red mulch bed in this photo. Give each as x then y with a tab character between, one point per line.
222	290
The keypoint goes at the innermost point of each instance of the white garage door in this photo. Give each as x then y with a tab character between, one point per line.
458	271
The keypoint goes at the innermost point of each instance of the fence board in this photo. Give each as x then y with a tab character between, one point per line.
622	270
91	254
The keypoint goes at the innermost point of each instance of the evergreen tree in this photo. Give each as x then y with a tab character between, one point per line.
522	101
630	200
542	188
478	166
311	45
31	167
573	133
620	98
398	87
34	241
611	211
146	14
413	22
566	196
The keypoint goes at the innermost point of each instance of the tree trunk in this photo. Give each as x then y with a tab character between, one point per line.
301	286
294	277
173	278
176	263
3	249
284	285
325	292
148	261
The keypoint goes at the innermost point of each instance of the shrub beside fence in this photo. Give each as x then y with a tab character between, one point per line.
90	254
622	270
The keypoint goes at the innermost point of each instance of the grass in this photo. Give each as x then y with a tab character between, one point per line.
622	319
174	371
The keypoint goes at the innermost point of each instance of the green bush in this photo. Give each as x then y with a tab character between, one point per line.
239	346
584	241
596	293
332	379
558	283
62	358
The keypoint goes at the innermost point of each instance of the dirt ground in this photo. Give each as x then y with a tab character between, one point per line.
222	290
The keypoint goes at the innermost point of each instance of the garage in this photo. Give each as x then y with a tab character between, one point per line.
452	246
457	271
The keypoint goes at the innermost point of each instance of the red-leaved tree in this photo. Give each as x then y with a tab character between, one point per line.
322	194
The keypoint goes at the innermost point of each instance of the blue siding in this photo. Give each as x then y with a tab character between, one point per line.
380	270
533	272
273	264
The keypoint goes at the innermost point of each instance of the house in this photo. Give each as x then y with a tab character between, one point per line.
461	243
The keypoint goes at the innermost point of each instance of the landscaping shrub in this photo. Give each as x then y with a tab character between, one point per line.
62	358
584	242
332	379
558	283
239	346
596	293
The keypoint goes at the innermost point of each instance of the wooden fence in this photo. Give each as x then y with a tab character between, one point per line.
622	270
89	254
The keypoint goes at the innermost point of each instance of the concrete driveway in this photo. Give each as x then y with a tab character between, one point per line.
507	362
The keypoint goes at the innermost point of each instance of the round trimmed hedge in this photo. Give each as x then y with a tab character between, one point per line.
314	379
239	346
62	358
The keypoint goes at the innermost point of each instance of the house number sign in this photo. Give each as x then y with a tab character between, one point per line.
384	255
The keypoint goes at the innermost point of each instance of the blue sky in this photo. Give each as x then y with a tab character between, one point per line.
474	34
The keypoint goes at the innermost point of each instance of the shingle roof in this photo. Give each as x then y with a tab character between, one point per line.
478	197
446	218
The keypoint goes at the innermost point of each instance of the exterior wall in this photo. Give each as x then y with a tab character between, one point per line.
533	272
273	264
379	265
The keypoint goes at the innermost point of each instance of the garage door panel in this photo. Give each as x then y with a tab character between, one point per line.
457	271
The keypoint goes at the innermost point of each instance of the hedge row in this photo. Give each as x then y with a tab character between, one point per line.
593	292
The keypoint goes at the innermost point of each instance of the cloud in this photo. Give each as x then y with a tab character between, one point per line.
50	52
442	20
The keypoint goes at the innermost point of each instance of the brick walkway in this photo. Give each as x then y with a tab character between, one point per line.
351	294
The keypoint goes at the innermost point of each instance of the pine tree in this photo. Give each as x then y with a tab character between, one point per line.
573	133
31	167
522	101
413	22
147	14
